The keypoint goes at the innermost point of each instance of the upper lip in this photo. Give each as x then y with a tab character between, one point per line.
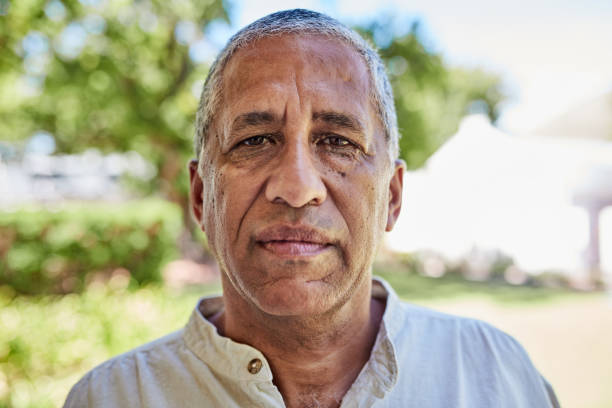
292	233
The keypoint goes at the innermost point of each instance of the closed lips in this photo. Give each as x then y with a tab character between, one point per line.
292	241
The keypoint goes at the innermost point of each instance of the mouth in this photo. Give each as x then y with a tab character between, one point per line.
294	248
290	241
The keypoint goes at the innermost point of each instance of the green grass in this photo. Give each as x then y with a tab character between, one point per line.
48	342
417	288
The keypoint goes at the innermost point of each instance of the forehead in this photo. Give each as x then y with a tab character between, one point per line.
326	73
304	52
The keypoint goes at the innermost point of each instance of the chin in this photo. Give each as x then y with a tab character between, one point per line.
292	297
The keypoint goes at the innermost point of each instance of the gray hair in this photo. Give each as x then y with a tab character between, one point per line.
298	21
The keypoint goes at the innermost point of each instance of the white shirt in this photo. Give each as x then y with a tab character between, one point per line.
421	358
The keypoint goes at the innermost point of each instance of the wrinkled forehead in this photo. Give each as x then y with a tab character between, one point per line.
271	60
326	55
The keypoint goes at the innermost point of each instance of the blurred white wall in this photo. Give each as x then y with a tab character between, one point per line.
487	190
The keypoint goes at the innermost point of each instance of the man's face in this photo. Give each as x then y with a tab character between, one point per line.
298	185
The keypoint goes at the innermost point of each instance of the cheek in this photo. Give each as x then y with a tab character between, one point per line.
210	203
367	207
213	208
368	213
232	195
354	205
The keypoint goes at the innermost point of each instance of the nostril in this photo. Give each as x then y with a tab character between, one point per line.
279	200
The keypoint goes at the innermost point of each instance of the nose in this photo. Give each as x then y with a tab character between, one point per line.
295	180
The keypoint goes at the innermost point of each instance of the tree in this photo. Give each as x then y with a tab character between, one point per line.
111	74
430	97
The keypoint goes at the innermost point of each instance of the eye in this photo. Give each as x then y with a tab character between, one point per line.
257	140
336	141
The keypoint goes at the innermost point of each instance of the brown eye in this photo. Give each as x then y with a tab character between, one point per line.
256	140
335	141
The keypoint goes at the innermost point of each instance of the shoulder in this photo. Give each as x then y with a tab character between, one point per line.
463	334
433	340
410	326
150	353
410	318
468	357
121	378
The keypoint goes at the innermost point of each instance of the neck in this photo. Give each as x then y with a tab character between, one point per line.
314	359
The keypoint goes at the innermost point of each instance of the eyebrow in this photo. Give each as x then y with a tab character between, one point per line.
336	119
339	120
256	118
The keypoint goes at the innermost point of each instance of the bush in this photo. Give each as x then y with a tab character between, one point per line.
47	342
44	250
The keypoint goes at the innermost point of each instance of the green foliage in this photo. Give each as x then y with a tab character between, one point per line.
48	342
430	97
109	74
57	251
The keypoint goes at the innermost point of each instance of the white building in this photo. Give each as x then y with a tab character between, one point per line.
524	196
38	177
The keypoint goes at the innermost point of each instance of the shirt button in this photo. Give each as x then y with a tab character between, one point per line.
254	366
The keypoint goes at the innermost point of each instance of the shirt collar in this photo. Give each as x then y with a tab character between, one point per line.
382	369
230	358
221	354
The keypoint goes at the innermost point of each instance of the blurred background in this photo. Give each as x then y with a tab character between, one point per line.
506	115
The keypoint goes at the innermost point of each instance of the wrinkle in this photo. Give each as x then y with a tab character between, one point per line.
260	193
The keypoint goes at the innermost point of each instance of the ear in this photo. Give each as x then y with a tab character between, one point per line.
196	189
396	186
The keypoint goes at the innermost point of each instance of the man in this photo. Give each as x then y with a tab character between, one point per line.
295	183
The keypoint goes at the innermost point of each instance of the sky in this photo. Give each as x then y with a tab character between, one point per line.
551	55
